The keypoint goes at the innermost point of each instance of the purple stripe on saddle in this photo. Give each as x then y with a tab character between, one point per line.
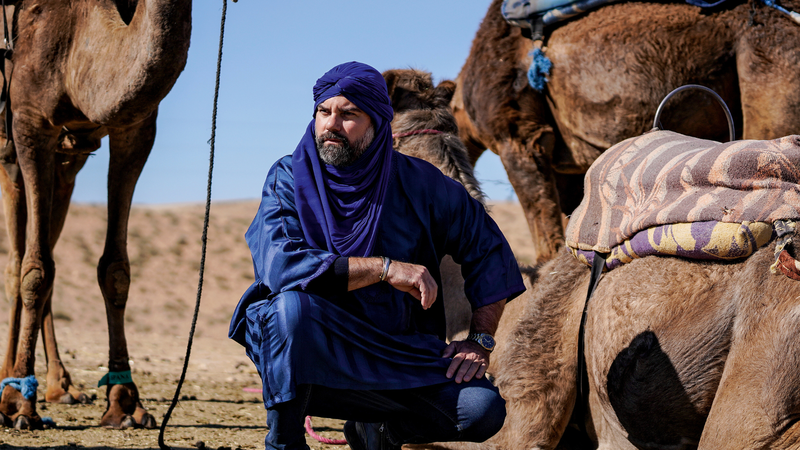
711	240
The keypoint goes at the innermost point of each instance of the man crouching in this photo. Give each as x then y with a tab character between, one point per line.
342	320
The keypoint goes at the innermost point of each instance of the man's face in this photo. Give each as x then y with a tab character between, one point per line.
343	131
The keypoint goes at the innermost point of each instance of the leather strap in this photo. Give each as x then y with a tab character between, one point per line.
582	378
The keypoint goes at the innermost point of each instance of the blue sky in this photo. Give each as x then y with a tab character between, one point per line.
273	53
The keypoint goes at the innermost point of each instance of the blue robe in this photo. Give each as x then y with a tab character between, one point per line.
375	337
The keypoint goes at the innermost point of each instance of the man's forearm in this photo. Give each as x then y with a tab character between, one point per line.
410	278
486	318
363	272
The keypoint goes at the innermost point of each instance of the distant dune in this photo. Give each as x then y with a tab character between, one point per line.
164	245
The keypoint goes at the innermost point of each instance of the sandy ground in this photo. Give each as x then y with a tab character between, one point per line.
218	409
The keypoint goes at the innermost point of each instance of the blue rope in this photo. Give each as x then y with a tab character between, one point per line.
26	386
539	70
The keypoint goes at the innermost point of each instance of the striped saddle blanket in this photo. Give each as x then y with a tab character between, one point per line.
670	194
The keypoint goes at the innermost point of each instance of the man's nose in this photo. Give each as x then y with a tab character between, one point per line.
334	122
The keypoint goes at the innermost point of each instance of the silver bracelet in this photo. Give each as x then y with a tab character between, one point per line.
386	262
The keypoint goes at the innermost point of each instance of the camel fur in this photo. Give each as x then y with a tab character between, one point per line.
418	105
611	69
679	353
80	70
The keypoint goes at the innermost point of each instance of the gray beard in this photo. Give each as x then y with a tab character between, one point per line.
346	153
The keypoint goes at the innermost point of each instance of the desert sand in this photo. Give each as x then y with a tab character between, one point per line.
218	409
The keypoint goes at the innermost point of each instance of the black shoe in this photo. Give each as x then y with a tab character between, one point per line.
367	436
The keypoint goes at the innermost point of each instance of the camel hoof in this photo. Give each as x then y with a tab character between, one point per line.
127	422
84	399
67	399
22	423
149	422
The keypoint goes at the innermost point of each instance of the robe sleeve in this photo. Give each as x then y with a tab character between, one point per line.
474	240
282	258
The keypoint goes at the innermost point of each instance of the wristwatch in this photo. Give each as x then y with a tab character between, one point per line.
485	340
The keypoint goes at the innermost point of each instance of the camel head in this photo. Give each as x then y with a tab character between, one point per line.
413	89
419	106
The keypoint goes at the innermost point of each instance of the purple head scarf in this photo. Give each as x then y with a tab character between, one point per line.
340	207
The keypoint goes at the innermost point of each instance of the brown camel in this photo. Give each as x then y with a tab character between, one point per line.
680	354
420	107
611	69
81	70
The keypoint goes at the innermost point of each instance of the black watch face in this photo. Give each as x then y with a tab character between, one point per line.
487	341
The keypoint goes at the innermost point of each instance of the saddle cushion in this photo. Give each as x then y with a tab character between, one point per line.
700	240
665	178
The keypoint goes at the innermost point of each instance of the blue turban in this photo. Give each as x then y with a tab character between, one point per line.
340	207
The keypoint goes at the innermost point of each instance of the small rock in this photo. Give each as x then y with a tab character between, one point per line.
200	444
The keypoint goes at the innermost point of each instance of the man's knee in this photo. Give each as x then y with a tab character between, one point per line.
291	311
487	413
277	322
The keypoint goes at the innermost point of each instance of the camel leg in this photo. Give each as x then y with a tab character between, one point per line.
15	215
35	140
59	383
757	403
129	148
535	184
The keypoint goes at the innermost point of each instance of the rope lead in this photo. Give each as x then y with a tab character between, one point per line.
211	142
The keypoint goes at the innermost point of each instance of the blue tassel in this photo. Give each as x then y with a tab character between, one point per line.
539	70
26	386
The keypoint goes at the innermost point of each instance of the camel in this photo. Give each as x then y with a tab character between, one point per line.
611	69
679	353
81	70
424	127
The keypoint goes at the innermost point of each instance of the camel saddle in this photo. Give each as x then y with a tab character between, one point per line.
666	193
526	13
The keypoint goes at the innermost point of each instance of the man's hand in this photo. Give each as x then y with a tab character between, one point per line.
469	360
414	279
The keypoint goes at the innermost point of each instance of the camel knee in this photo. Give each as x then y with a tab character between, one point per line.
34	285
115	281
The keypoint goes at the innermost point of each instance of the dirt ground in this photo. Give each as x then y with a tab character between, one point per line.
218	408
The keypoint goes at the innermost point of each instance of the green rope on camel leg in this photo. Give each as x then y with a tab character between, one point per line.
115	378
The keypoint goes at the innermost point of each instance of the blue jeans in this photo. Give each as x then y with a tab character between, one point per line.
472	411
